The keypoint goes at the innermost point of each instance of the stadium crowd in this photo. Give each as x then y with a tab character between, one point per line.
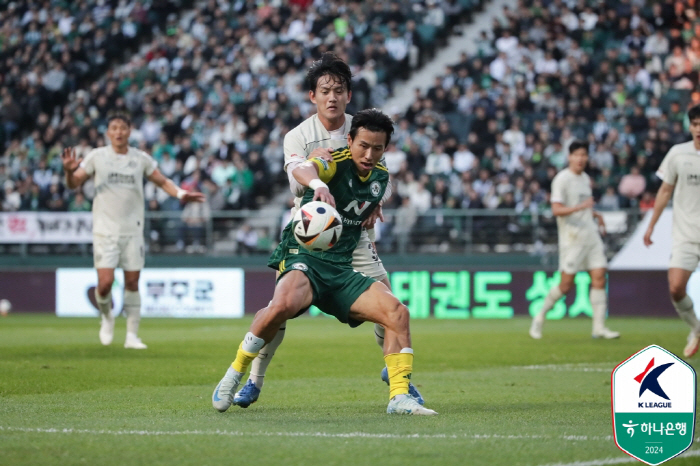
218	87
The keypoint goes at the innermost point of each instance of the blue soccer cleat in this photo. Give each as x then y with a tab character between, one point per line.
247	395
412	390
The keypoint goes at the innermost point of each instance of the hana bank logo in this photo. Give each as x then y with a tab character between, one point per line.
649	381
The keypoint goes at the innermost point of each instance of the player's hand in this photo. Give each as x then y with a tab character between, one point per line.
647	237
193	197
324	153
372	219
324	195
587	204
70	163
601	225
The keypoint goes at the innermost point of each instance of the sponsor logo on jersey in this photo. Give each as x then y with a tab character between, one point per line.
300	266
375	188
120	178
693	179
358	207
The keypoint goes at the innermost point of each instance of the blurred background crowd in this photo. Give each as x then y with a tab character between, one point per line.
213	90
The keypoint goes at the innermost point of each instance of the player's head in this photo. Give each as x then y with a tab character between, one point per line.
119	129
329	82
694	119
368	138
578	156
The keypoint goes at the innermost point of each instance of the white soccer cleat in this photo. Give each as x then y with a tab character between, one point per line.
222	397
134	342
406	404
606	334
107	329
693	343
536	326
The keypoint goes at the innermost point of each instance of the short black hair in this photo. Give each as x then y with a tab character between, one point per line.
329	65
119	116
576	145
372	119
694	112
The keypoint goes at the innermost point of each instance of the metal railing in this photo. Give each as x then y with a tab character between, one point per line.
404	231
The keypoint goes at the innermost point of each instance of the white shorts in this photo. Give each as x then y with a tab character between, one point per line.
110	252
576	258
685	256
366	260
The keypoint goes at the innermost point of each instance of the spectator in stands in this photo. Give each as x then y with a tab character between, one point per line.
632	185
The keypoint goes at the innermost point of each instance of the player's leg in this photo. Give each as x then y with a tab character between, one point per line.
132	260
103	297
250	392
105	252
555	294
377	304
292	293
678	281
599	303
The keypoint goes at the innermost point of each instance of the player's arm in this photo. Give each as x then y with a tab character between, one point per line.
662	198
75	174
560	210
314	174
294	186
167	185
601	222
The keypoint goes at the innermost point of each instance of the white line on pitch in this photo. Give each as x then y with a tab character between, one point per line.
570	438
626	459
583	367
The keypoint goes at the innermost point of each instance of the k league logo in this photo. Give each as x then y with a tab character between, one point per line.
653	404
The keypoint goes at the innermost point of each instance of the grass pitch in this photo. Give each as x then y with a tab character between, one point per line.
503	398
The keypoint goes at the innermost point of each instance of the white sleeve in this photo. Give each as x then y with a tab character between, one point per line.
558	191
88	163
295	187
387	192
149	164
294	148
667	170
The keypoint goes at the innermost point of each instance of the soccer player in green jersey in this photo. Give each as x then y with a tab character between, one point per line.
353	182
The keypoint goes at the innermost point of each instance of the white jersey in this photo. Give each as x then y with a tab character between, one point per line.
571	189
310	134
118	207
681	168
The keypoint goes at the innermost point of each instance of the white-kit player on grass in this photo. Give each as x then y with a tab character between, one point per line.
118	217
329	83
680	172
580	245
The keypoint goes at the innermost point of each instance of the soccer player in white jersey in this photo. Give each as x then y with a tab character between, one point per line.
329	83
580	244
118	217
680	172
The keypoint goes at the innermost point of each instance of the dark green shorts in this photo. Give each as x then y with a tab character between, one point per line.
335	288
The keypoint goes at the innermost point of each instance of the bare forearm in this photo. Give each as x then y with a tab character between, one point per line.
563	211
305	173
169	187
662	198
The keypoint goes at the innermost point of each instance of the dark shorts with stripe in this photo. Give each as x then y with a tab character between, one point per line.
335	288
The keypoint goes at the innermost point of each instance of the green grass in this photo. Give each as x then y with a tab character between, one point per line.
153	407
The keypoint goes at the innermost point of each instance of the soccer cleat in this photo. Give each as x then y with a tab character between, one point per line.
693	343
107	329
606	334
406	404
536	326
247	395
134	342
222	397
412	390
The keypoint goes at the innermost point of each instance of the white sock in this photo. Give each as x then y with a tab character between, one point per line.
251	343
104	303
259	365
132	309
550	300
685	310
379	335
599	303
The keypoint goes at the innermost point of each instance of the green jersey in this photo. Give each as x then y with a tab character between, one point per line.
355	198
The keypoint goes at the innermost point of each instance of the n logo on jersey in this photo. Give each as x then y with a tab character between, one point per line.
358	207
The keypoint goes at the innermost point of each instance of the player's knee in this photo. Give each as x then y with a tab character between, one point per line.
677	291
103	288
565	287
281	309
397	315
131	285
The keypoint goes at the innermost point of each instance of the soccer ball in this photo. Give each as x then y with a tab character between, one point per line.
5	307
317	226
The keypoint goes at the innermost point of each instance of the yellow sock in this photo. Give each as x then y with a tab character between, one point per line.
243	360
399	366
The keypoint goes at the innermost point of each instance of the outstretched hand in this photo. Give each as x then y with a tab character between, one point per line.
70	162
373	217
325	153
193	197
324	195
